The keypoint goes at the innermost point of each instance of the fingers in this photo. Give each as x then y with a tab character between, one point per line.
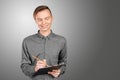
40	64
37	68
54	73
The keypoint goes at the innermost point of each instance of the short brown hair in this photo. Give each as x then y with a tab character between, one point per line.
41	8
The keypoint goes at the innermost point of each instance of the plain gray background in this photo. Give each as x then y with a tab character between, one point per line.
91	27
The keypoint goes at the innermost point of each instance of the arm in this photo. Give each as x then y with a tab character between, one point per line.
63	58
26	63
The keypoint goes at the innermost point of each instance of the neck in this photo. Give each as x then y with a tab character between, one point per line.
45	33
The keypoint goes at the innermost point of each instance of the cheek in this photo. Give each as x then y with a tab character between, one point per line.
38	23
49	22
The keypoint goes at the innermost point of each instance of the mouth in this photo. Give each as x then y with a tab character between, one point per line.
44	27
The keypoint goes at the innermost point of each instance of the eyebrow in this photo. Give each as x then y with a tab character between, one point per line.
44	18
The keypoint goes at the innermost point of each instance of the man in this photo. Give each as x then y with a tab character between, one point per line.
44	48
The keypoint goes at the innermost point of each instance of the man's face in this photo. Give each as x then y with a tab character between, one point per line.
44	20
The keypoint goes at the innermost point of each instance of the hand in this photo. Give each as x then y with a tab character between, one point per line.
55	73
40	64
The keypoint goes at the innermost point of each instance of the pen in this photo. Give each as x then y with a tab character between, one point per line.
36	58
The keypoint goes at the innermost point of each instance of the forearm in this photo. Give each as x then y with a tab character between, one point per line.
27	69
63	67
63	58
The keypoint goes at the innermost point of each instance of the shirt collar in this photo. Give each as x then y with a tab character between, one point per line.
49	36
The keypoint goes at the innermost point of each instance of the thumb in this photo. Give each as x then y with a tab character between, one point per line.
44	60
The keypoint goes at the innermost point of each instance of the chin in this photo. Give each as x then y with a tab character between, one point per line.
44	29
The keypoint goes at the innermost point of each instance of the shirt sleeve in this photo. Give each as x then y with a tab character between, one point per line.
63	58
26	63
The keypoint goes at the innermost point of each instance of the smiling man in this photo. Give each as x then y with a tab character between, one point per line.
49	47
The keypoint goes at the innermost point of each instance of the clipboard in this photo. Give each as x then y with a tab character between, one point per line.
42	71
47	69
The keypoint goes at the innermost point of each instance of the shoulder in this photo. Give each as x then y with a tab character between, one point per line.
30	38
60	38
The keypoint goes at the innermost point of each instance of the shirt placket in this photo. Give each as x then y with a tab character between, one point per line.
44	53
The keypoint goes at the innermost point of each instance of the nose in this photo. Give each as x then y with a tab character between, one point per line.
43	22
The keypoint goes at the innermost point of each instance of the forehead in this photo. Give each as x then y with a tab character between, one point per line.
43	13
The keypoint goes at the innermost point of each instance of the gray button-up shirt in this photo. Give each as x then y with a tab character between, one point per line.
52	48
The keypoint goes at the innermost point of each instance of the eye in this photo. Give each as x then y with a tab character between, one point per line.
47	18
38	19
